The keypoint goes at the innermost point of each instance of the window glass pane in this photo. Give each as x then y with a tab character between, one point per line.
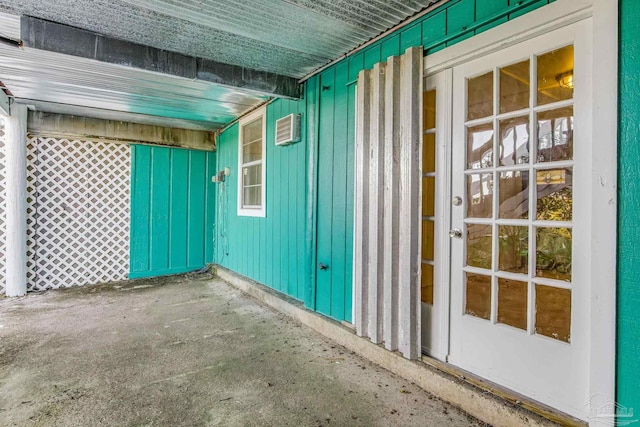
252	175
554	194
480	146
429	153
553	312
252	152
555	76
514	141
514	87
427	240
428	196
480	96
512	303
514	249
429	109
480	195
555	135
479	241
426	291
478	296
252	131
553	253
514	195
253	196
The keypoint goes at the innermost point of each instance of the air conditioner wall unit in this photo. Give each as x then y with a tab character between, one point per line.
288	129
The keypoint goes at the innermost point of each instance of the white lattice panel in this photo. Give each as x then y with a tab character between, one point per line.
78	210
3	208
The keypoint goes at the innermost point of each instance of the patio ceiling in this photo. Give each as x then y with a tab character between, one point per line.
284	38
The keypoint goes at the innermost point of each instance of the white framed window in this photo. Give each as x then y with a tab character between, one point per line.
252	164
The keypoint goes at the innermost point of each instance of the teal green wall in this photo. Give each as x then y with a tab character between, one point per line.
270	250
284	254
628	381
172	210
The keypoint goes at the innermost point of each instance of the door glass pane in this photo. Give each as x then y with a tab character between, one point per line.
514	141
480	146
514	249
554	190
512	303
555	135
480	96
429	153
555	76
426	291
553	253
427	240
514	87
514	195
428	196
429	114
479	250
478	295
553	312
480	195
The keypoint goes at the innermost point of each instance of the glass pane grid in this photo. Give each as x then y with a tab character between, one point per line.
252	141
524	280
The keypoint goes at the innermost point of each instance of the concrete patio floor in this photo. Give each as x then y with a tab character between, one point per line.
184	351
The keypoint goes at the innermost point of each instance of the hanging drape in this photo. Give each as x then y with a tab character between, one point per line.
387	205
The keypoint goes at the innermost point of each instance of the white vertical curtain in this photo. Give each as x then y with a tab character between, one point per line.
387	206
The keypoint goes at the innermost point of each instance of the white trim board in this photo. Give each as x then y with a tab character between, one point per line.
603	172
253	212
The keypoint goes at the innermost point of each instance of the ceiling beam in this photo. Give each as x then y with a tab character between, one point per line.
54	37
115	115
4	103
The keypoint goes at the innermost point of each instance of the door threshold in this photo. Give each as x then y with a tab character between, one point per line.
504	393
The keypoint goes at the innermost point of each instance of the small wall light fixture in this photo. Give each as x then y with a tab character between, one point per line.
565	80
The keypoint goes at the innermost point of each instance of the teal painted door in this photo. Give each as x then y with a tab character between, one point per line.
335	195
172	211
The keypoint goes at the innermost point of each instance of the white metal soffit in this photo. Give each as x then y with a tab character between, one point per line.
51	80
287	37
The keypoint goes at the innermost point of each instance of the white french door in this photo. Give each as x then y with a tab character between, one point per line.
519	218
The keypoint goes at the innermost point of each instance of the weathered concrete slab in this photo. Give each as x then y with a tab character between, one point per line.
188	352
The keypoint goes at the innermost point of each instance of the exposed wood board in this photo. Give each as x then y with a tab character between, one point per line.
391	200
59	125
376	199
4	103
410	202
361	238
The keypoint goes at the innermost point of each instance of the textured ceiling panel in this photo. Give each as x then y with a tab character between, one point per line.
289	37
286	37
32	74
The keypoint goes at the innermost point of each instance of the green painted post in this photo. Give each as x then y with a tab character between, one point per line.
628	361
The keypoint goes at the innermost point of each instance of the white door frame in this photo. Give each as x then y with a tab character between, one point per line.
603	183
435	319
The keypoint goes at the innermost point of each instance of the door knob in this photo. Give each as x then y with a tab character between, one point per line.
456	201
322	266
456	232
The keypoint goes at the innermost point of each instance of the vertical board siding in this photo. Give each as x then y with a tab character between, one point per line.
171	229
270	249
283	249
628	369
